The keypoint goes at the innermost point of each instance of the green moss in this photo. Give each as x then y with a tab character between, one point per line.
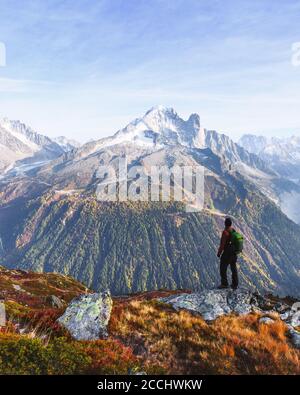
23	356
14	309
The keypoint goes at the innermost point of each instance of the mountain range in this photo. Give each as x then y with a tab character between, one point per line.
51	219
21	147
282	155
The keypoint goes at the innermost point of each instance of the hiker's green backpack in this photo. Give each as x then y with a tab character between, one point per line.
237	241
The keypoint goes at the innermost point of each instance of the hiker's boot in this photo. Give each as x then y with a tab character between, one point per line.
222	286
234	287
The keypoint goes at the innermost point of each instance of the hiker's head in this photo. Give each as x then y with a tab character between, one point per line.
228	222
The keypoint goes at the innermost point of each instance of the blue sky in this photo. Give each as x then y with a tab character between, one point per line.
86	68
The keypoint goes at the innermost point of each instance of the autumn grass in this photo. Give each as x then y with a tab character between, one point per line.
33	342
182	343
145	335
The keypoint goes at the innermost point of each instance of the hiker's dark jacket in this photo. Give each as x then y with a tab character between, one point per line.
225	240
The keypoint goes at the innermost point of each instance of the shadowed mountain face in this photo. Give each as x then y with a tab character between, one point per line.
52	221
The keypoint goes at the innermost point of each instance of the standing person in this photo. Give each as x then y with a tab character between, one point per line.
228	256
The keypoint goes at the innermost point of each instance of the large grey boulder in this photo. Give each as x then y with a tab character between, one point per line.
87	316
214	303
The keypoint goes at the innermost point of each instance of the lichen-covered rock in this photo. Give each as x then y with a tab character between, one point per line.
87	316
214	303
241	301
292	316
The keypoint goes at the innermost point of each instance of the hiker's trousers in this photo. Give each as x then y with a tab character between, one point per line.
229	259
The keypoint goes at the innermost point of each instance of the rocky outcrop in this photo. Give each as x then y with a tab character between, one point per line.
87	316
211	304
214	303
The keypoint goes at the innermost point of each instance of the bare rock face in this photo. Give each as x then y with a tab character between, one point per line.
87	316
295	319
214	303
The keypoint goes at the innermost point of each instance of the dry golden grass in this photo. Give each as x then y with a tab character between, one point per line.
161	340
183	343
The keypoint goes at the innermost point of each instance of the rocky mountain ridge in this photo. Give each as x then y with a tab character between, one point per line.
21	148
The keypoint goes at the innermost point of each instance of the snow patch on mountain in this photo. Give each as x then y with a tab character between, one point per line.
65	143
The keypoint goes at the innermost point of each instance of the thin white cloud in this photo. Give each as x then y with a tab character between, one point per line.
11	85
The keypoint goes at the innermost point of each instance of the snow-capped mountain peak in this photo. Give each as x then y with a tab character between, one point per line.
159	127
162	119
160	109
65	143
18	131
159	136
20	143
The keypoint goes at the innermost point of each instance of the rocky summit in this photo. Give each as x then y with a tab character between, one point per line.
87	316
